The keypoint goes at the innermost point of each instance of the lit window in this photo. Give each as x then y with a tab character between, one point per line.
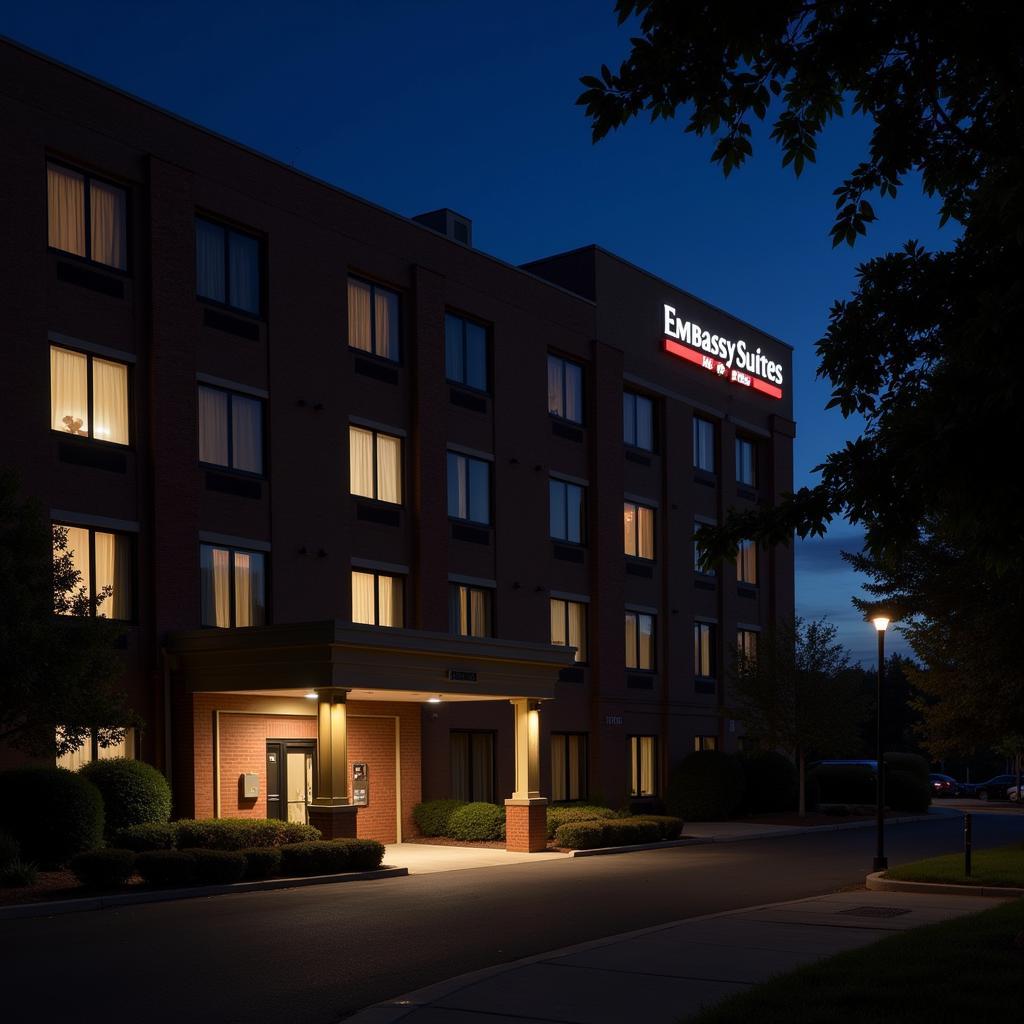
638	529
565	389
233	585
378	598
697	567
638	421
642	765
375	465
746	462
472	765
569	625
746	645
469	488
103	562
703	444
86	217
373	319
78	379
640	641
92	750
701	743
568	766
566	511
230	430
470	610
228	266
746	563
465	352
704	650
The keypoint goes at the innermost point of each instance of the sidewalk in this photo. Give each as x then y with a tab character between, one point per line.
671	971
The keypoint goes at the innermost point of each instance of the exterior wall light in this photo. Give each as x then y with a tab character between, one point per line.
434	700
310	696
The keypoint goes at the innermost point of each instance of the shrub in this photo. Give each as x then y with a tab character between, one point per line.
845	783
154	835
590	835
9	850
476	821
706	786
19	873
166	867
669	827
363	854
317	857
296	832
563	814
913	764
104	869
907	791
432	816
217	867
261	862
580	835
240	833
52	813
133	792
770	781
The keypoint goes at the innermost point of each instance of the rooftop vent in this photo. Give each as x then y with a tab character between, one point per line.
449	223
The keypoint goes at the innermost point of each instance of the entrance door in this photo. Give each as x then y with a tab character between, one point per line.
291	769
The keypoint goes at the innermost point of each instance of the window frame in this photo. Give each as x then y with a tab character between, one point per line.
636	506
585	660
742	441
234	549
707	574
637	615
453	605
697	445
469	753
635	759
582	488
741	651
637	396
132	539
704	743
129	397
231	392
746	546
261	259
374	286
486	328
468	518
376	433
564	360
377	574
584	737
712	631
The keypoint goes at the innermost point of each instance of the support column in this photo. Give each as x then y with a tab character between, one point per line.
332	811
526	811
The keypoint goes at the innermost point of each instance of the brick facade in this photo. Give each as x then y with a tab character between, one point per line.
526	826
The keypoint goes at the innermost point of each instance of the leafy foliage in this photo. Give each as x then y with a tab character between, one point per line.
133	792
559	815
706	786
770	782
432	816
477	822
218	867
103	869
153	835
240	833
166	867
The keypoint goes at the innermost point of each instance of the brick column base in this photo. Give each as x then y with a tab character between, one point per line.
334	821
526	825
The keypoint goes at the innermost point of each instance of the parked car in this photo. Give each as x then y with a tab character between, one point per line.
1014	793
943	785
993	789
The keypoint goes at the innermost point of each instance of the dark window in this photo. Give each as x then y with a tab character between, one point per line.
565	389
228	266
640	641
746	462
703	444
470	610
233	586
643	766
469	488
105	571
373	319
86	217
465	348
704	660
569	766
472	763
638	421
230	430
566	511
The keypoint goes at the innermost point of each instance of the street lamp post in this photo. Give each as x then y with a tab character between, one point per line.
880	622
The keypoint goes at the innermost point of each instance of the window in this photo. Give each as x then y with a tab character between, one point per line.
228	266
92	750
472	761
465	352
373	319
746	462
103	561
640	641
233	583
375	465
746	645
469	488
701	743
470	610
638	421
569	626
704	650
638	528
697	567
88	396
703	445
86	217
566	512
746	563
642	760
378	598
230	430
568	766
565	389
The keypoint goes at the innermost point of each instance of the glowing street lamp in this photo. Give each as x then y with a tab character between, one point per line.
880	622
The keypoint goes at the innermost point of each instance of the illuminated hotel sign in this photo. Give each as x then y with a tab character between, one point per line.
729	359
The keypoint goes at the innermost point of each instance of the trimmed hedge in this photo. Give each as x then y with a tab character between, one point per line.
154	835
477	821
566	813
364	854
706	786
103	869
670	827
905	791
51	813
240	833
432	816
261	862
591	835
217	867
845	783
9	849
771	782
330	856
133	792
166	867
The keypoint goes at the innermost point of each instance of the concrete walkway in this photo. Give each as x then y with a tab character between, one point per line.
671	971
421	858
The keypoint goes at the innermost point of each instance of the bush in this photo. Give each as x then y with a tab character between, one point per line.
706	786
913	764
669	827
19	873
771	782
318	857
154	835
432	816
363	854
104	869
133	792
241	833
590	835
217	867
565	813
166	867
907	791
9	851
845	783
476	821
52	813
580	835
261	862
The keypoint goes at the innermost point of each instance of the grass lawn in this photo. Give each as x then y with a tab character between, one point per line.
1003	865
971	968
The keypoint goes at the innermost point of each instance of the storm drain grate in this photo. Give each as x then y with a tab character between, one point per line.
874	911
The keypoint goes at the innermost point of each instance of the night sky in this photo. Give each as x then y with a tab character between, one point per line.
455	103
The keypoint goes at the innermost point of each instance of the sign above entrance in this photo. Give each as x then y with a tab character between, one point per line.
732	360
458	675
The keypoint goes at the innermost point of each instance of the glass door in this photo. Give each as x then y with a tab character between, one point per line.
299	775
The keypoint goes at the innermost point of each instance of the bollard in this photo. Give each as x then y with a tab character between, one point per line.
967	846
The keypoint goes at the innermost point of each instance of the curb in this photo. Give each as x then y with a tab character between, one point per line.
878	883
77	906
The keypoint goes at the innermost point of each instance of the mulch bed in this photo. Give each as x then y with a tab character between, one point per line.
57	885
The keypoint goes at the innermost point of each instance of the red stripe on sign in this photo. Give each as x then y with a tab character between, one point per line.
768	389
684	351
693	355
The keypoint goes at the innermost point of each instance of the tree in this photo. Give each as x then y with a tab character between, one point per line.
59	662
901	716
797	694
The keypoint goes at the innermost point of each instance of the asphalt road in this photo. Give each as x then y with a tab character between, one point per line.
319	953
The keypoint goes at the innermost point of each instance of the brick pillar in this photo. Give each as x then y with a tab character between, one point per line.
526	825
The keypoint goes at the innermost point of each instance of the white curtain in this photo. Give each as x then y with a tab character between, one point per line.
644	423
78	548
646	641
359	319
113	569
69	391
646	766
75	759
386	308
556	382
107	224
210	261
247	433
360	461
248	588
573	393
110	401
65	191
215	569
389	601
703	445
558	630
629	527
389	469
578	628
244	272
213	426
746	562
631	647
362	598
458	498
478	612
645	532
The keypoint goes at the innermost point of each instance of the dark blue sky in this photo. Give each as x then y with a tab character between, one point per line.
455	103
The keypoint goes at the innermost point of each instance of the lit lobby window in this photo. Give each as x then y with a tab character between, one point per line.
88	396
